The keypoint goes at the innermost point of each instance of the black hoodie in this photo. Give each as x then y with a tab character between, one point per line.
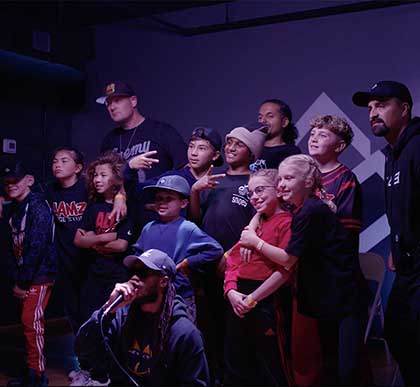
402	196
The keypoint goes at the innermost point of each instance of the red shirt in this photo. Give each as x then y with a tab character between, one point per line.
274	231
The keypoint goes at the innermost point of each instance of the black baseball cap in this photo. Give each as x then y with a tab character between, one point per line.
14	170
383	90
116	88
213	137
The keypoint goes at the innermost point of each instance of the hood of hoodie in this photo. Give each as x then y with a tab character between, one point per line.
179	308
413	129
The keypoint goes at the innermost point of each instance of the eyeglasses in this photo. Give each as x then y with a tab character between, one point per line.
259	190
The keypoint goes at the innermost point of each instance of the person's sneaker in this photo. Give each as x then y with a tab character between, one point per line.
30	379
78	376
93	382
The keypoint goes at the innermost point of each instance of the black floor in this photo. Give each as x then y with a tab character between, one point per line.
60	361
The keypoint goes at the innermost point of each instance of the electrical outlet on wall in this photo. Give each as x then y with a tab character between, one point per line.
9	145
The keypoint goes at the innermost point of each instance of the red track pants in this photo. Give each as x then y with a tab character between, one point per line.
32	318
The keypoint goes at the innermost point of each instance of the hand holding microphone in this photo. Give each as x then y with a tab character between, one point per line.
123	294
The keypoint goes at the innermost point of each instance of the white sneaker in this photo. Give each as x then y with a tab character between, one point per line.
93	382
78	377
75	374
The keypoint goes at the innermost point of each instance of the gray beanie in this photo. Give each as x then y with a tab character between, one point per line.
253	140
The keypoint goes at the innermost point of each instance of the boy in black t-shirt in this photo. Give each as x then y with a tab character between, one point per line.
225	210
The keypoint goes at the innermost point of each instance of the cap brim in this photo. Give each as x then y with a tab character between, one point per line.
13	176
151	187
102	100
361	98
131	259
154	188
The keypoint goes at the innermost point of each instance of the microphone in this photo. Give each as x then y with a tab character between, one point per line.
113	304
117	301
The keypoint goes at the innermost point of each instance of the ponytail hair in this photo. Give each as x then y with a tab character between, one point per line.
309	169
290	132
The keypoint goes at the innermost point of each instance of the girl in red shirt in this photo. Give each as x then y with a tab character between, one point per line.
254	340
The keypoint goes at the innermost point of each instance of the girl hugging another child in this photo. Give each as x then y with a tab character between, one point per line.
328	302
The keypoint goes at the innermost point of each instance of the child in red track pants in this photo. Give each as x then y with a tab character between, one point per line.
32	266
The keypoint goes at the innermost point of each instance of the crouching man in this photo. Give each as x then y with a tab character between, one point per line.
149	331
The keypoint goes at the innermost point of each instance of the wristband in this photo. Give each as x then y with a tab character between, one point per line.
119	195
260	245
251	302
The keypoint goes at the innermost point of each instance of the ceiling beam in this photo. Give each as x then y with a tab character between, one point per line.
286	17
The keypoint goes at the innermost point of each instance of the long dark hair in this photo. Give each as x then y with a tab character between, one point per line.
116	162
290	132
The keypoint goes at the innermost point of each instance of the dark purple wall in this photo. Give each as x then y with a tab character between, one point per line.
219	80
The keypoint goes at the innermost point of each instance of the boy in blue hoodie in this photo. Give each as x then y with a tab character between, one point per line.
32	265
190	247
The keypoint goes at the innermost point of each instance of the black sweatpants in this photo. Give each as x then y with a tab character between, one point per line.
252	353
402	331
342	350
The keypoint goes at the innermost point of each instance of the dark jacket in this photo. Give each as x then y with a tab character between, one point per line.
35	261
183	361
402	196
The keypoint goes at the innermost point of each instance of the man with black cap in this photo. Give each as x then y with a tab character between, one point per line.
137	134
149	332
390	105
32	265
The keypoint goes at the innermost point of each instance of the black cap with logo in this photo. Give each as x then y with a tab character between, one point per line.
116	88
383	90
